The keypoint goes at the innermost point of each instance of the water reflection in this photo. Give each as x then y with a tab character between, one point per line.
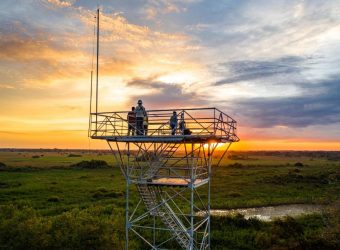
272	212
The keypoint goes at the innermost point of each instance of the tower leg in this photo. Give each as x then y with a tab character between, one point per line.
127	226
127	223
192	199
209	188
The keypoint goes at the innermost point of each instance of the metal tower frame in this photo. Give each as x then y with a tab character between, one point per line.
171	173
169	168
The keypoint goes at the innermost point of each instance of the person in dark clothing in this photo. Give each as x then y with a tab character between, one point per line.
173	123
131	117
146	125
182	125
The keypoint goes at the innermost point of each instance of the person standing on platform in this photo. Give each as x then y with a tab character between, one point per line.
145	125
131	117
140	114
173	123
182	125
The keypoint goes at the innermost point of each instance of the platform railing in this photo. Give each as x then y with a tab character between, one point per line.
199	122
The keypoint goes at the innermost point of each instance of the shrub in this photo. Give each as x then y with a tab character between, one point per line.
102	189
74	155
9	184
2	165
298	164
23	228
35	156
4	184
93	164
234	194
53	199
102	192
236	165
287	228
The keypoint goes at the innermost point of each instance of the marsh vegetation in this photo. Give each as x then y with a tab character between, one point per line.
60	202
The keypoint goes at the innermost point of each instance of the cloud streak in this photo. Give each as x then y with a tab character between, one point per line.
253	70
301	111
61	3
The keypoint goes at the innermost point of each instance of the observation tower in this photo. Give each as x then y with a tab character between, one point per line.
167	173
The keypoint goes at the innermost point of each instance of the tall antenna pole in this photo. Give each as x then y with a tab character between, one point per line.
97	72
91	90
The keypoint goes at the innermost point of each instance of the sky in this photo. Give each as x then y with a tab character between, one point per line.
272	65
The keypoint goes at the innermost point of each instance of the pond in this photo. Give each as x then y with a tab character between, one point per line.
271	212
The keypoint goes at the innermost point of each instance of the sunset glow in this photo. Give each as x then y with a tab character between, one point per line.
271	65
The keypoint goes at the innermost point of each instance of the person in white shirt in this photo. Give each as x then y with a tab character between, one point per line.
140	114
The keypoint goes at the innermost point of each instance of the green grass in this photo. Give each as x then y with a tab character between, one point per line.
49	159
232	186
307	232
75	188
44	203
248	186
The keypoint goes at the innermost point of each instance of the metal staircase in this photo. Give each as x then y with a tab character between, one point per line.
170	150
149	198
158	206
171	220
164	156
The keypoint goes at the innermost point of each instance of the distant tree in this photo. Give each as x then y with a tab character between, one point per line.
93	164
74	155
298	164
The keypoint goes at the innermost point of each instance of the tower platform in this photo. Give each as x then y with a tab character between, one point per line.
201	125
170	139
175	182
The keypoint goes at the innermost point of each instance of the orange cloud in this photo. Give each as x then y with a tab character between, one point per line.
116	28
50	139
162	7
61	3
15	48
45	73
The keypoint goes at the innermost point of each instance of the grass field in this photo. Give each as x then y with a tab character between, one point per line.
45	203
